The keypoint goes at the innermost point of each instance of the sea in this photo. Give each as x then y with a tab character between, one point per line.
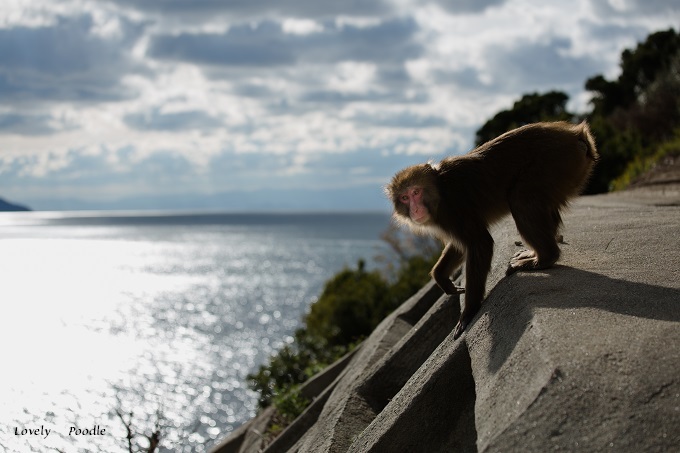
152	320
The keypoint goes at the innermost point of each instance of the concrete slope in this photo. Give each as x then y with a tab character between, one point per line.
581	357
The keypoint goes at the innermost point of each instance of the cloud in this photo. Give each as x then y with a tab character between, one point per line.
16	123
468	6
539	65
173	121
266	44
201	10
253	90
337	64
402	120
65	61
636	7
389	41
654	7
101	175
117	98
263	45
468	78
337	97
104	178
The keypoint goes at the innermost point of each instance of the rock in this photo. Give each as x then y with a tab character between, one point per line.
582	356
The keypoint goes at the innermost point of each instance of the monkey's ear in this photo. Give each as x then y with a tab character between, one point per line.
387	190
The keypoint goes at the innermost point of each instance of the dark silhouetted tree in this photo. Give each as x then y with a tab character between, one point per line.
639	69
639	110
348	306
531	108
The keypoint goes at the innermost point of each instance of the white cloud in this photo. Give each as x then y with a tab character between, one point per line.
121	96
301	26
352	77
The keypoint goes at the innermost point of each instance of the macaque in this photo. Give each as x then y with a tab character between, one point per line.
531	173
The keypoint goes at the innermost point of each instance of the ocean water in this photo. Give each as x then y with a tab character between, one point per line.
154	318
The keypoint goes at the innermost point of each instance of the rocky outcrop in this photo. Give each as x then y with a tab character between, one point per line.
581	357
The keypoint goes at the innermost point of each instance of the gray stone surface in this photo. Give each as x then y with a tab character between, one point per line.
584	356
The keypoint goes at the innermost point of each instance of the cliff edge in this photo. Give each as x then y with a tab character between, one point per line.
584	356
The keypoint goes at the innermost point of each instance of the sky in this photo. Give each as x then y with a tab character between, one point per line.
277	104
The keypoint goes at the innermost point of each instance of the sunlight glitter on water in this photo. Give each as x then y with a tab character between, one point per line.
65	319
153	318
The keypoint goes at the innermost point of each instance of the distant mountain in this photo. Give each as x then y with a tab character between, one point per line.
7	206
362	198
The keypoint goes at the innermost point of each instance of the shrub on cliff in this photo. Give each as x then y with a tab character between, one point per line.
643	163
292	365
351	305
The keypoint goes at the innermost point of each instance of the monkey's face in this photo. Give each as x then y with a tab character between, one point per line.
414	199
413	192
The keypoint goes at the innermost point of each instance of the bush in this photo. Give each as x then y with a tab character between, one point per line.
291	404
637	112
633	120
351	305
293	364
411	276
643	163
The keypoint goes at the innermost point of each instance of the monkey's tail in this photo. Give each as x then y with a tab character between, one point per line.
587	141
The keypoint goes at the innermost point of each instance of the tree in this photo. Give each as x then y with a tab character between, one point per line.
293	365
639	69
638	111
531	108
351	305
348	306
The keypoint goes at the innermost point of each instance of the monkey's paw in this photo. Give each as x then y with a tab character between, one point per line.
522	260
459	289
463	322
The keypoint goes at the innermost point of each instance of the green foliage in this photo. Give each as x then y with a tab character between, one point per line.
635	120
290	404
531	108
404	246
616	148
411	276
639	69
294	364
642	164
631	116
351	305
636	113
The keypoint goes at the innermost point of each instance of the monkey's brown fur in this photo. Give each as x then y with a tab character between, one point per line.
530	172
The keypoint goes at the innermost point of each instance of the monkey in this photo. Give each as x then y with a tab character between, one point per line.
531	173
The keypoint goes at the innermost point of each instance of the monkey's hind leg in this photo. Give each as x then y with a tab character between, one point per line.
538	227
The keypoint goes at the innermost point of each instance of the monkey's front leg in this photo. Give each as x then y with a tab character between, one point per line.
477	268
449	261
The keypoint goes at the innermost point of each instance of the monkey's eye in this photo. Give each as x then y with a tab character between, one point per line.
416	191
404	198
